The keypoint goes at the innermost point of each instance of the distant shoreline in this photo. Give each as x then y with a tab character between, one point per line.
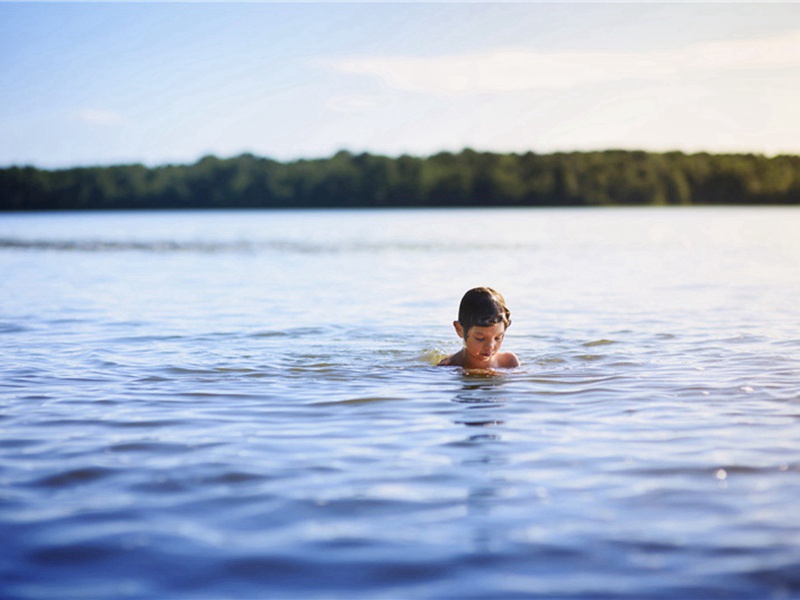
465	179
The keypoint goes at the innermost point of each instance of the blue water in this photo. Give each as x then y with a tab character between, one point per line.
244	405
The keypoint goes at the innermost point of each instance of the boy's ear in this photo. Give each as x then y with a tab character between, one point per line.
459	329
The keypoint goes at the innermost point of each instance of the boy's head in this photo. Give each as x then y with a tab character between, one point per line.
482	307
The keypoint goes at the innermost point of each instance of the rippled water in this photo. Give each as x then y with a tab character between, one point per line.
243	405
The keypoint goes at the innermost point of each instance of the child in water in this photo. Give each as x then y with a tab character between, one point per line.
483	318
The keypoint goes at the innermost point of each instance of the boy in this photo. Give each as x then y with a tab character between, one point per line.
483	318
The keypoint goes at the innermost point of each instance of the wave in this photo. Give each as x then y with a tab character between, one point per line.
286	246
123	246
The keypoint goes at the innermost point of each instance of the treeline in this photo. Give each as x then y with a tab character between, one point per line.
468	178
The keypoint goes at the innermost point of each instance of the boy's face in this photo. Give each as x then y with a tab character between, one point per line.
482	343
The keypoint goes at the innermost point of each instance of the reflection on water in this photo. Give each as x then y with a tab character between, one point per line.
481	392
245	405
483	401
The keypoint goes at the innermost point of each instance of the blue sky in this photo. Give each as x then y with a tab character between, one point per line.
110	83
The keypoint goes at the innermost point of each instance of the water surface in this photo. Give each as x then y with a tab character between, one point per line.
243	404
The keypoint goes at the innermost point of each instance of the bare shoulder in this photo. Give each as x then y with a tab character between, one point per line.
454	360
508	360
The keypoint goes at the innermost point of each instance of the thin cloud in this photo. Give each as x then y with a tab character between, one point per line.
354	103
522	70
99	116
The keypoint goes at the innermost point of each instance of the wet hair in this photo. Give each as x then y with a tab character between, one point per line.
482	307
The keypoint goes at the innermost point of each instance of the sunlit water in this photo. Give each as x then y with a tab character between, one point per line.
243	405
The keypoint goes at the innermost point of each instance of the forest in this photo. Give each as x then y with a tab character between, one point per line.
464	179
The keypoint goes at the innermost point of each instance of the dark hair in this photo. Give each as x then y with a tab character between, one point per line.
483	306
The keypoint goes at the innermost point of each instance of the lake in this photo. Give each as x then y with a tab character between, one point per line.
244	405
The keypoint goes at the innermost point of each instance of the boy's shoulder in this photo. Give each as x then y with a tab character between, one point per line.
507	360
454	360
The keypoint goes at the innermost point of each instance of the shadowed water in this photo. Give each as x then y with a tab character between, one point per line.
240	405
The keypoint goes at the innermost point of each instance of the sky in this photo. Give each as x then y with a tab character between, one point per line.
85	84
